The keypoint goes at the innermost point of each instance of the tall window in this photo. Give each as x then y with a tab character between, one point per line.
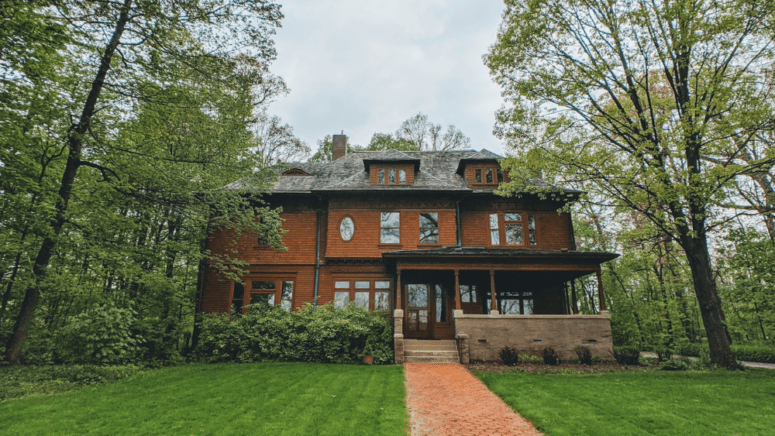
390	232
488	174
495	238
429	228
401	176
531	226
478	175
381	177
513	228
392	176
236	299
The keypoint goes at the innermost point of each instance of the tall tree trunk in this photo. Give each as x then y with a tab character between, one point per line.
75	143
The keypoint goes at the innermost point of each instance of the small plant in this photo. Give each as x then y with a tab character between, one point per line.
681	364
509	356
627	355
530	359
584	354
550	356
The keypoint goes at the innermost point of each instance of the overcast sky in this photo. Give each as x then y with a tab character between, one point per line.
365	66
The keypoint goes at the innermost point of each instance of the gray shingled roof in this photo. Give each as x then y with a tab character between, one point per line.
438	171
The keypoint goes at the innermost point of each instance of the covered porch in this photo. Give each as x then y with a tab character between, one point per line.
448	294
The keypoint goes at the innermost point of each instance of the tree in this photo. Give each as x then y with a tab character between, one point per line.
277	143
386	141
129	45
649	103
426	136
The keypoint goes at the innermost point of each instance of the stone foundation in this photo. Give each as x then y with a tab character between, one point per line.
482	336
398	335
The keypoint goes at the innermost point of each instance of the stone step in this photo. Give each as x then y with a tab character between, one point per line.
430	345
431	353
430	359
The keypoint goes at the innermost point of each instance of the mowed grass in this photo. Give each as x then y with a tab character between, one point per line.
642	403
229	399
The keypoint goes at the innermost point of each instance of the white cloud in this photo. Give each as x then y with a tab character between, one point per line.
366	66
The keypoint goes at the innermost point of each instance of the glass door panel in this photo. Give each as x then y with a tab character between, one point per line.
417	310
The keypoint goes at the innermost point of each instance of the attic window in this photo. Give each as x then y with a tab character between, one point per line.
295	172
381	177
401	176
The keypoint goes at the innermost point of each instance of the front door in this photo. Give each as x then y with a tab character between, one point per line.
428	314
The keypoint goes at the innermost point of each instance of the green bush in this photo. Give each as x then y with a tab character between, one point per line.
681	364
550	356
101	335
627	355
313	334
509	356
663	353
754	353
584	354
689	349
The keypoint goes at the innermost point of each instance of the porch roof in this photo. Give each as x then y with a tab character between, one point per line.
482	253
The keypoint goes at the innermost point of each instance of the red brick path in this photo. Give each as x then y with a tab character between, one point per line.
445	399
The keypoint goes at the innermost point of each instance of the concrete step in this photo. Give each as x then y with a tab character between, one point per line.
430	359
431	353
429	348
430	345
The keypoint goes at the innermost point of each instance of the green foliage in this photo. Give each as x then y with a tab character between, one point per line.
22	381
100	336
663	353
681	364
754	353
627	355
584	354
313	334
550	356
531	359
508	356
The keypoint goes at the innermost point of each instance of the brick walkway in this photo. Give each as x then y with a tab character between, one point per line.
445	399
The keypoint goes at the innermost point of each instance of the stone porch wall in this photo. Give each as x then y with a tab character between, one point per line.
484	335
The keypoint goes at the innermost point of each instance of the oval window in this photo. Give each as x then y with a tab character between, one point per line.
346	228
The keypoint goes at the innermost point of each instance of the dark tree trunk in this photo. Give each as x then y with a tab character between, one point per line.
75	144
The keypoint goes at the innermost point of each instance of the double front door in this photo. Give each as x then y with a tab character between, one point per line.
428	313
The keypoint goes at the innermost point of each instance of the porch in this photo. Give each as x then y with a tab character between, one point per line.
437	297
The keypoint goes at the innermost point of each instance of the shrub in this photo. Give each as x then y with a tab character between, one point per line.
663	353
550	356
531	359
509	356
754	353
313	334
689	349
681	364
584	354
627	355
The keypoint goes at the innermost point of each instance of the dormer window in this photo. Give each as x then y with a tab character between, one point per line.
401	176
484	174
478	173
392	177
381	177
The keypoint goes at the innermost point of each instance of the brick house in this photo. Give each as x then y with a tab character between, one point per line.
421	234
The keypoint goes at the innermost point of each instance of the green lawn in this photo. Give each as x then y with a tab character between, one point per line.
248	399
642	403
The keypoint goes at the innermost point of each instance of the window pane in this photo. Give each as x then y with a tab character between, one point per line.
531	226
390	219
527	306
362	300
381	301
494	237
510	307
341	299
287	296
429	228
381	176
236	306
342	285
382	285
478	176
493	221
402	176
362	285
267	299
429	236
441	313
263	285
418	295
513	217
514	234
489	175
239	290
346	228
500	176
392	176
389	236
468	293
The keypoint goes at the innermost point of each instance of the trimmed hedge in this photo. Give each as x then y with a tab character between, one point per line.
754	353
313	334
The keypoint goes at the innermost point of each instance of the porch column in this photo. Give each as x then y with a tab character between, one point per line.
398	290
494	299
457	290
600	291
573	296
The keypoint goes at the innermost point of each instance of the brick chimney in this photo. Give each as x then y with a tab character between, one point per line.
339	146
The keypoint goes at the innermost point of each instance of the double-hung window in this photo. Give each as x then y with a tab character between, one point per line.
495	238
513	228
429	228
390	228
